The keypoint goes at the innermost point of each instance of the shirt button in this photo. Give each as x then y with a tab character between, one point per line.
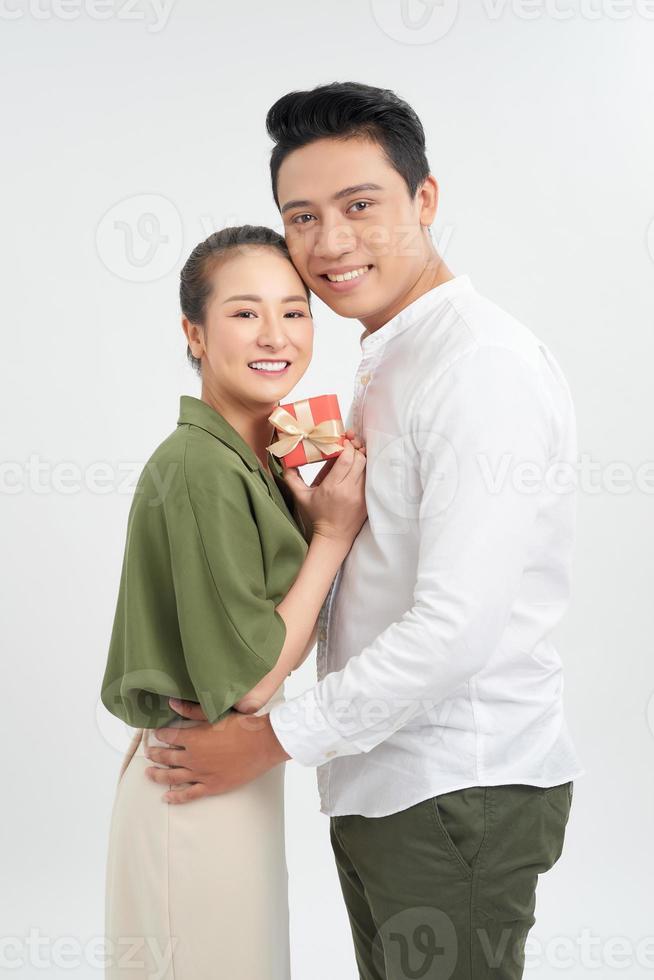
364	379
330	754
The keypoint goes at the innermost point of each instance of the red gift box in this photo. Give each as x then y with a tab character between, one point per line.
307	430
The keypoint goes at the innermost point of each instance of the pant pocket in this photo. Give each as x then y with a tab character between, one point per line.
559	797
461	819
557	801
131	751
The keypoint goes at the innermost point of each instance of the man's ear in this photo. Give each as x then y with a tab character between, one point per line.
427	195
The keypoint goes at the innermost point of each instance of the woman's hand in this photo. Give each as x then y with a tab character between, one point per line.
326	467
335	504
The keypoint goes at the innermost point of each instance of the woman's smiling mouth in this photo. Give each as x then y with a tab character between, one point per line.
270	367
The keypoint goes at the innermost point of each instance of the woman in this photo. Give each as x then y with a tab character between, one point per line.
223	577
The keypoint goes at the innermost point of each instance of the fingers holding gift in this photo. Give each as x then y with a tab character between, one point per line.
356	440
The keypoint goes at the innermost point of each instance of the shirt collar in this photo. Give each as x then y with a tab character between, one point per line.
197	412
412	313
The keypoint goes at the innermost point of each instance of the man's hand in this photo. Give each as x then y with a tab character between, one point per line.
213	758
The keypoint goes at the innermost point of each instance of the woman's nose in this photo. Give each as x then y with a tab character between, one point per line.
273	335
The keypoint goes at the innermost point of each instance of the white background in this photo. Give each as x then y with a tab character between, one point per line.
539	128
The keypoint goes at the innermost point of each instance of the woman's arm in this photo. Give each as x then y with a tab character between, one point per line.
299	609
335	507
309	647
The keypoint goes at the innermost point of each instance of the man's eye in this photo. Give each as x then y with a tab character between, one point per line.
299	219
359	206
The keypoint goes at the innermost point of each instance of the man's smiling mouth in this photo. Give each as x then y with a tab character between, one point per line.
347	275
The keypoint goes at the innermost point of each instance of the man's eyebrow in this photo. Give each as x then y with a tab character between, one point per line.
346	192
294	204
251	298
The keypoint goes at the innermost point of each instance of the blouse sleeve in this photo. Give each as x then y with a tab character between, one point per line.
231	632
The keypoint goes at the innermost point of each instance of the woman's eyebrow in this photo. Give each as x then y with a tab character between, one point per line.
244	296
251	298
356	189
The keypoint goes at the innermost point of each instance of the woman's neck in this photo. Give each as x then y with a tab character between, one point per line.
252	425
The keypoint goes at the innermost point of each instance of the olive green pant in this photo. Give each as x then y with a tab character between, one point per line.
446	889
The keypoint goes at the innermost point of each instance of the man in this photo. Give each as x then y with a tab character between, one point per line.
437	725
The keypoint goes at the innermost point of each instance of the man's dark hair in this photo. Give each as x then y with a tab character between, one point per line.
344	109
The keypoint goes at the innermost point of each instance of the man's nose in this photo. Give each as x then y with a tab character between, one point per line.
334	239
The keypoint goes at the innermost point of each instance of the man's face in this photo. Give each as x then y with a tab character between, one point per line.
348	212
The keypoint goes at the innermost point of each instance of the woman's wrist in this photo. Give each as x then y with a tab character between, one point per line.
330	544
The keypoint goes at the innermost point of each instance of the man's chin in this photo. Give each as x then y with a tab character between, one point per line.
349	306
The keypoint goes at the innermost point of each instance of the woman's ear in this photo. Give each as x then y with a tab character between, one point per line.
194	337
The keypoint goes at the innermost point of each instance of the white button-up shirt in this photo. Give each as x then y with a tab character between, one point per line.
436	666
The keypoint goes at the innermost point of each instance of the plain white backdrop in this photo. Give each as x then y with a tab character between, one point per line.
132	130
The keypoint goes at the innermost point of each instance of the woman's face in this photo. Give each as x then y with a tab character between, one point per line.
257	321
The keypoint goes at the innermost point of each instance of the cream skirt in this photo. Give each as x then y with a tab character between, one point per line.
199	890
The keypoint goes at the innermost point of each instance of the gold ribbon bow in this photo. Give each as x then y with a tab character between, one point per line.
316	439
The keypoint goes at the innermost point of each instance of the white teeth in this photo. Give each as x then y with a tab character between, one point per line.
269	365
345	276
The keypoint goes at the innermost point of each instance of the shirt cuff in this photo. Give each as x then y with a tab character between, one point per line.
304	732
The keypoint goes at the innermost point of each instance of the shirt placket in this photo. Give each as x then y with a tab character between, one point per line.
361	381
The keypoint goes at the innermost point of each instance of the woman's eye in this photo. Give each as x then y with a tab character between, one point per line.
245	313
295	313
359	206
299	219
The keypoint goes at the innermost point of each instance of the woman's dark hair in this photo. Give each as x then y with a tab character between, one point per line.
195	278
344	109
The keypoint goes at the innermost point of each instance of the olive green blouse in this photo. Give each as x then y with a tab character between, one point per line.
214	543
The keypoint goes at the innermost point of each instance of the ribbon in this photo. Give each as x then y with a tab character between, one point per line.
315	439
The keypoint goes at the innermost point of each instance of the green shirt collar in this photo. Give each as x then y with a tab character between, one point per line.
197	412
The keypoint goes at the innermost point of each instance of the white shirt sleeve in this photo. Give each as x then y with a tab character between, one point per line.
472	424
